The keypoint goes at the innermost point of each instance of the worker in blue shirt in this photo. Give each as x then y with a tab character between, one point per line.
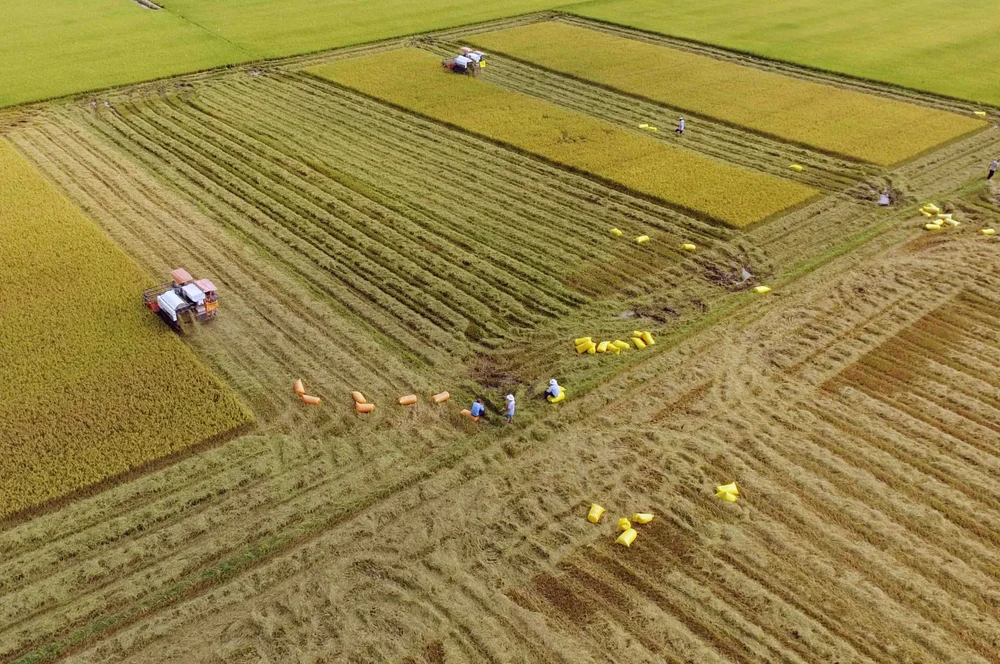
510	408
478	409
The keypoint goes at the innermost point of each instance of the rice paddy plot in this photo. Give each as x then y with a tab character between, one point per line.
92	384
825	117
931	45
413	79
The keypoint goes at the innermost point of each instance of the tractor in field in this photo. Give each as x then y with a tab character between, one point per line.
183	300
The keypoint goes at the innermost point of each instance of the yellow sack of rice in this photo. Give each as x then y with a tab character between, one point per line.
932	227
687	246
624	345
642	518
602	347
616	232
582	340
987	231
627	537
729	488
639	343
762	289
648	338
595	513
624	524
728	492
726	496
981	114
796	167
642	239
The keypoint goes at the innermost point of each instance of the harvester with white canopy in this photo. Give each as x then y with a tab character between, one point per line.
183	299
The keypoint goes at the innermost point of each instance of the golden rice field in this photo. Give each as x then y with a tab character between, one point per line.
91	386
692	182
388	230
843	122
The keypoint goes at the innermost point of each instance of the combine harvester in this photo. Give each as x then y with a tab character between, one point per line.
182	300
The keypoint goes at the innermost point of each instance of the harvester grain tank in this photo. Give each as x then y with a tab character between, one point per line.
183	299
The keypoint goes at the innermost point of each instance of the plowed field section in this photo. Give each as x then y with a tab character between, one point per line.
706	187
940	371
824	117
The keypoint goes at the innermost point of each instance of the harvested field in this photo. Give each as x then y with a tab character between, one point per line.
836	121
91	385
855	405
703	186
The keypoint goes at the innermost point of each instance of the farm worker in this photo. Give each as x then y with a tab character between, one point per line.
553	390
680	126
883	198
993	169
478	408
510	408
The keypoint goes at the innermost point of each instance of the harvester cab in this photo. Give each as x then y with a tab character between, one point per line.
183	299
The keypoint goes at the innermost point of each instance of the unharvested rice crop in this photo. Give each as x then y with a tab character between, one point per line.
931	45
412	78
91	384
842	122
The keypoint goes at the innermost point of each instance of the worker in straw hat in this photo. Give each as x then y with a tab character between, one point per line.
993	169
680	126
510	408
